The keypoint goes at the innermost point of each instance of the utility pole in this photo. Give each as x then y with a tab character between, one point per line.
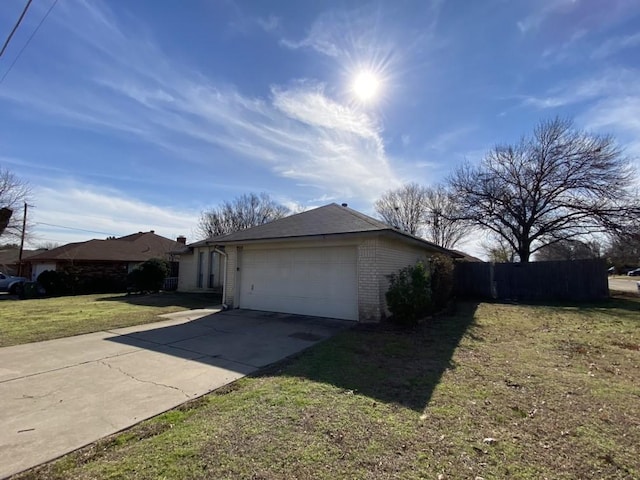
24	227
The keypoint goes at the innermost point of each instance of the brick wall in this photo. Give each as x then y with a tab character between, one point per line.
368	294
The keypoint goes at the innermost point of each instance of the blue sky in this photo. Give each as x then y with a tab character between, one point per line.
137	115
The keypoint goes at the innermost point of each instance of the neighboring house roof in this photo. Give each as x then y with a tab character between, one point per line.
465	257
137	247
330	219
10	256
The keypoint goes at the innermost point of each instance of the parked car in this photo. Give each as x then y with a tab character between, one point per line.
11	284
634	273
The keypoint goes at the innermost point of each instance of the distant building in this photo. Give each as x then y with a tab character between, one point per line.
103	265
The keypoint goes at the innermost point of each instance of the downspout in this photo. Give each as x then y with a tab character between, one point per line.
224	277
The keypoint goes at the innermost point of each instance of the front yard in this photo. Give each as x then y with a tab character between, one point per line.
24	321
493	391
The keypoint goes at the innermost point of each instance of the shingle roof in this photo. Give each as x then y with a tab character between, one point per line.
330	219
131	248
9	256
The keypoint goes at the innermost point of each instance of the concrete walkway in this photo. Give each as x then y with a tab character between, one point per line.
60	395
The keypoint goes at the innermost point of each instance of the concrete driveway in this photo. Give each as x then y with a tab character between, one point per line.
625	284
60	395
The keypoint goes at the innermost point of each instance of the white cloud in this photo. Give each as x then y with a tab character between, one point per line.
360	34
328	35
269	24
104	211
614	45
445	140
130	88
543	10
611	83
620	116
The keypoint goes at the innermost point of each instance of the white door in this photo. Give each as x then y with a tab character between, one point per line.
308	281
38	268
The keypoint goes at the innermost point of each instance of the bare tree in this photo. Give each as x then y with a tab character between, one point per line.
14	192
404	208
47	245
558	184
498	250
623	250
442	224
243	212
429	212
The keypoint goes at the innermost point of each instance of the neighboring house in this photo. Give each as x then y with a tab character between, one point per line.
109	260
9	260
465	257
331	262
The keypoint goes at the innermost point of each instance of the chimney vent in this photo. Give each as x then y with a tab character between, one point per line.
345	204
182	239
152	231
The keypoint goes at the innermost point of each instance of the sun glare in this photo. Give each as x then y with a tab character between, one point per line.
366	86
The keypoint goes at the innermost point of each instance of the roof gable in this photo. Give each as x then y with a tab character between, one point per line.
330	219
327	220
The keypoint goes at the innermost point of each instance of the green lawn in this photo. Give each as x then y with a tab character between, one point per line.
24	321
492	391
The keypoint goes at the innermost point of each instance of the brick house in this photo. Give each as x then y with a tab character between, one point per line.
103	265
10	263
331	261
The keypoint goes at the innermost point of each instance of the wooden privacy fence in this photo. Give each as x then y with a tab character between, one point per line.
567	280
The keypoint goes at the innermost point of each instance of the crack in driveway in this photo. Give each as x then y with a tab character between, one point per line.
143	381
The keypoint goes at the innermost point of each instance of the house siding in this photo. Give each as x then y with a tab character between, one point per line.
188	271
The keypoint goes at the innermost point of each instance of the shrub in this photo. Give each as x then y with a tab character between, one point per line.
441	267
149	276
409	294
54	283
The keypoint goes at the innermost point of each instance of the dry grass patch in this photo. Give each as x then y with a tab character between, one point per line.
494	391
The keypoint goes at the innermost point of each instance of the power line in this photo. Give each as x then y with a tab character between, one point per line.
28	40
15	27
73	228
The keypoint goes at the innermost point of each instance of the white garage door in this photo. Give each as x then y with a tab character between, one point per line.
307	281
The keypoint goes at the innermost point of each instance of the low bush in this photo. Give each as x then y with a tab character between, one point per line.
441	267
54	283
409	294
418	290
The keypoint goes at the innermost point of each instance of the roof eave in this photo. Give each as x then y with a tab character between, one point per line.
389	232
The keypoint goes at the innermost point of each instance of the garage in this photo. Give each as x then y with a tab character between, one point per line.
306	281
329	261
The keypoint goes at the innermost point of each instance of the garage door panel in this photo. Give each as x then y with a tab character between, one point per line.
309	281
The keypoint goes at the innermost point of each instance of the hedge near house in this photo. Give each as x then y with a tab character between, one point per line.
419	290
442	268
409	294
150	275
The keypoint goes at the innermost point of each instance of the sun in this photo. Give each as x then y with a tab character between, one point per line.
366	86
